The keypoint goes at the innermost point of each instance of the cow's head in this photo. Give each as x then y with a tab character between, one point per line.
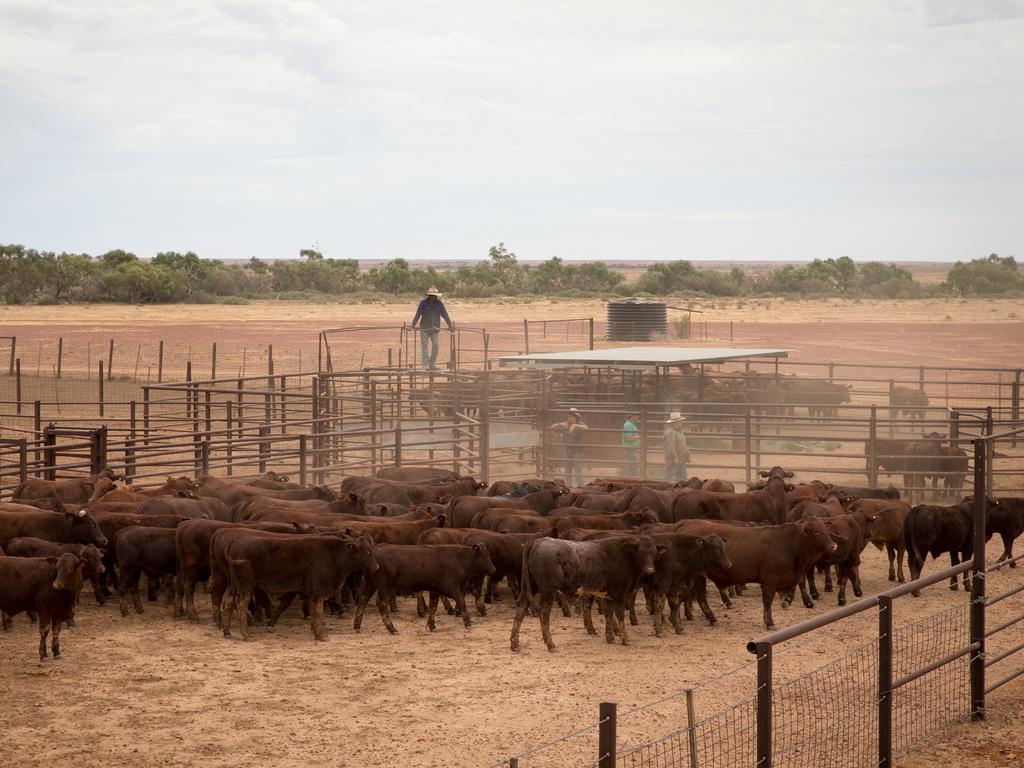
361	549
93	558
85	529
482	562
324	493
69	571
816	536
643	550
640	517
712	549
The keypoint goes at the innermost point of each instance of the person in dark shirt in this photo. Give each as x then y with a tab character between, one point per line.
428	316
572	438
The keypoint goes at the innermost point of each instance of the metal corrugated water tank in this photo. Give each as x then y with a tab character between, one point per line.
636	320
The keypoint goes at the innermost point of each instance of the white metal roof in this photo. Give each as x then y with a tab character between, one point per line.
635	358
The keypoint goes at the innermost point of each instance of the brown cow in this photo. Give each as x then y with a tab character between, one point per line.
71	527
347	504
451	570
406	474
49	586
144	549
214	509
620	522
418	493
75	491
29	546
462	509
107	490
774	556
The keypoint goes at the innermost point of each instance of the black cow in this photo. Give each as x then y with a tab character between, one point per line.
932	530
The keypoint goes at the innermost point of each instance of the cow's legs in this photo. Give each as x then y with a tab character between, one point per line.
546	600
587	604
44	630
316	618
55	640
240	609
901	555
813	585
1007	549
421	606
522	606
282	605
631	601
890	550
842	574
620	619
460	605
952	579
364	597
658	605
431	610
855	580
726	600
384	608
480	600
134	591
828	579
566	606
808	603
767	595
701	588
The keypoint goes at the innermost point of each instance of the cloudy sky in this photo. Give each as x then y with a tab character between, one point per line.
701	129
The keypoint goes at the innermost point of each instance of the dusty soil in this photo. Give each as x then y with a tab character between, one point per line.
153	691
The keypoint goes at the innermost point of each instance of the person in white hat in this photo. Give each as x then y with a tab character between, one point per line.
573	428
677	455
428	315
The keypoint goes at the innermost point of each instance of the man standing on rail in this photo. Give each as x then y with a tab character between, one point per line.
428	315
572	428
677	455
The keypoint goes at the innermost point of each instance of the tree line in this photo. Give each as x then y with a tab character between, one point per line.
28	275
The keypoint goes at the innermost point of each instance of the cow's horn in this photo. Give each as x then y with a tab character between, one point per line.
81	513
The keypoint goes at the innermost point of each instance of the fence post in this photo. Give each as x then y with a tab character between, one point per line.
643	440
990	448
204	458
110	361
954	426
885	622
318	476
892	409
606	735
526	336
60	354
691	719
101	386
213	361
160	363
50	452
264	447
873	448
747	446
17	386
129	448
980	509
145	416
302	460
23	461
374	437
14	344
397	452
37	426
229	431
764	705
1015	402
591	333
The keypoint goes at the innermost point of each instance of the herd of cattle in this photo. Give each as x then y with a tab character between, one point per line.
429	533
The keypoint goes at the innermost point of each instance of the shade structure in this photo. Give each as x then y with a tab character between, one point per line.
636	358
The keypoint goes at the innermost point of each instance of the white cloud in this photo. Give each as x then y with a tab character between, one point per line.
598	129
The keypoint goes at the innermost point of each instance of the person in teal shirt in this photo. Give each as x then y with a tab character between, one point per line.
631	444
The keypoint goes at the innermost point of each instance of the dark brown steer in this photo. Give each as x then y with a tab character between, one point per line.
283	566
192	546
405	474
144	549
71	527
886	530
214	509
49	586
440	569
610	569
932	530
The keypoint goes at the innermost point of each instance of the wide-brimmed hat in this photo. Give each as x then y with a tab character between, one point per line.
674	417
432	291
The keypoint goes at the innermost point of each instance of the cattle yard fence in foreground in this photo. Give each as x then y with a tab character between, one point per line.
883	697
320	426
